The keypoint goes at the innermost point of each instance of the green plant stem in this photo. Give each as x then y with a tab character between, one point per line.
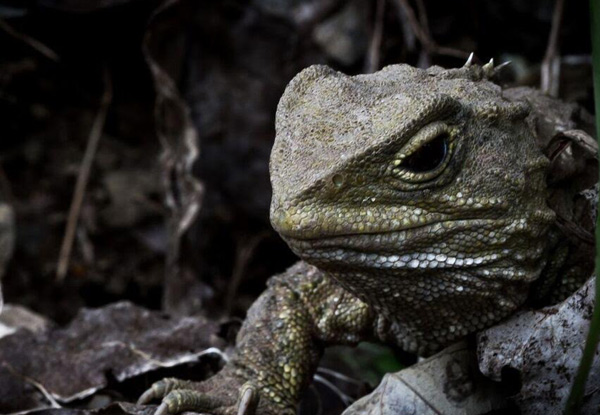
575	400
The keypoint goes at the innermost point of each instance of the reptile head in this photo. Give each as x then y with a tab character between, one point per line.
421	191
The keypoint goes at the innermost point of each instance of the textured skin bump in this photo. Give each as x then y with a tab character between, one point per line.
442	257
416	257
282	340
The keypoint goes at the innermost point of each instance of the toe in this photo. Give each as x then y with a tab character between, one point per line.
160	389
163	409
180	400
248	400
147	397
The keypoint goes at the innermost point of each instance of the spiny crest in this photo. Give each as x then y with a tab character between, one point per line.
487	71
476	72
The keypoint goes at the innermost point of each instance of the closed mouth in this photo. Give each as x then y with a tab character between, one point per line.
380	238
390	250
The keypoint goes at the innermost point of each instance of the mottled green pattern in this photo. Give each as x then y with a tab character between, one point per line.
416	256
300	313
447	251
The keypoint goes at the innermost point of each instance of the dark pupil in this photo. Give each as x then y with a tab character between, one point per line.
428	157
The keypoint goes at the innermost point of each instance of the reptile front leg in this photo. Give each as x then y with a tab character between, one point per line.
278	348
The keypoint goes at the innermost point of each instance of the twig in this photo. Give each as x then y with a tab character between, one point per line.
419	26
373	54
34	43
340	376
408	35
423	18
414	23
35	384
82	179
343	397
550	71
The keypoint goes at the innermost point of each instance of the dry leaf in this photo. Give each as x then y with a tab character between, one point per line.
447	383
71	363
180	145
545	347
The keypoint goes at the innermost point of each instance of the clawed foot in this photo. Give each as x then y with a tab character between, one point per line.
180	395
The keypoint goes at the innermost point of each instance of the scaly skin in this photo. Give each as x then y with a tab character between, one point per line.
279	345
419	199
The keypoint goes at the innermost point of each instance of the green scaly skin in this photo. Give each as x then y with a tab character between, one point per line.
418	197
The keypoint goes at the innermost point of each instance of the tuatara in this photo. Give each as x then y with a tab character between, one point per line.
417	200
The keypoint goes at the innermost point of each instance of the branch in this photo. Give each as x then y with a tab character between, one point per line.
373	54
419	26
82	180
34	43
550	72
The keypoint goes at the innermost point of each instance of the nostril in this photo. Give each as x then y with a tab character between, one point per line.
278	218
276	214
338	180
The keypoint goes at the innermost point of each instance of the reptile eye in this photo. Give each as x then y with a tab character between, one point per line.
428	157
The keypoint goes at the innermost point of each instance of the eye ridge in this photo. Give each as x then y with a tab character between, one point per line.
427	157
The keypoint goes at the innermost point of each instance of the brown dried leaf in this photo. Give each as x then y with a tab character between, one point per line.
71	363
545	347
14	317
119	408
180	145
447	383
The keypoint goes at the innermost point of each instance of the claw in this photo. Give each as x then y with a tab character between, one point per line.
180	400
146	397
163	409
161	388
248	400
